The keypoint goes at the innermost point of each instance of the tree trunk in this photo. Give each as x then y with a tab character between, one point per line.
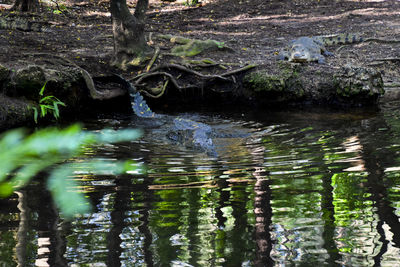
26	5
130	47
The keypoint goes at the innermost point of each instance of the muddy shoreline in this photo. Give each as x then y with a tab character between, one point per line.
256	31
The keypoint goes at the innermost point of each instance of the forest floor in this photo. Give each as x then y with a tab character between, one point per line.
256	30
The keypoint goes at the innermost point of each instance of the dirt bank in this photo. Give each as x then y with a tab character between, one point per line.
256	31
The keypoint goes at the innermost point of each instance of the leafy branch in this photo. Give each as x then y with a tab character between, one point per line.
23	157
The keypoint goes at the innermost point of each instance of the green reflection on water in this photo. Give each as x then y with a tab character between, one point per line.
349	197
303	193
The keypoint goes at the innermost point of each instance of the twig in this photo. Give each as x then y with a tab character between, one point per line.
387	59
391	85
174	39
376	40
138	76
204	63
153	59
99	37
150	40
383	41
239	70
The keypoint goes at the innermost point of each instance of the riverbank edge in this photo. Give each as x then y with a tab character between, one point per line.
264	87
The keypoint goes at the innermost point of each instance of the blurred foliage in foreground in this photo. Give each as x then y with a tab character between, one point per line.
22	157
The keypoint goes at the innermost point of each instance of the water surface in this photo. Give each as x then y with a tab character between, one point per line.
302	188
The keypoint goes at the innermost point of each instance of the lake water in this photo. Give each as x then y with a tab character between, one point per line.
303	188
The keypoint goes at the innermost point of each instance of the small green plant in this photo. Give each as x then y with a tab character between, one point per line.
59	7
47	104
23	157
192	2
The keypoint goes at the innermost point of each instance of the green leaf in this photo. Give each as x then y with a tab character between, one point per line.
24	174
47	99
220	44
11	138
104	167
35	114
6	190
56	109
56	112
130	166
22	158
62	7
49	104
10	146
43	109
42	89
58	102
64	191
109	135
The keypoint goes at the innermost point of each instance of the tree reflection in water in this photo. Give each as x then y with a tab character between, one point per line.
320	190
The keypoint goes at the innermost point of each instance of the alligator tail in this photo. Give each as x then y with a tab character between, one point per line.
340	38
139	105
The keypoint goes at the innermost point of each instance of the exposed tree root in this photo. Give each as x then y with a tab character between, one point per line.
190	71
139	82
57	60
166	70
162	72
159	75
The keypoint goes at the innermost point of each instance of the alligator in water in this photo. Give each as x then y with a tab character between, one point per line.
190	133
310	49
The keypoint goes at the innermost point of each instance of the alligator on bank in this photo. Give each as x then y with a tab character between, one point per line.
312	49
